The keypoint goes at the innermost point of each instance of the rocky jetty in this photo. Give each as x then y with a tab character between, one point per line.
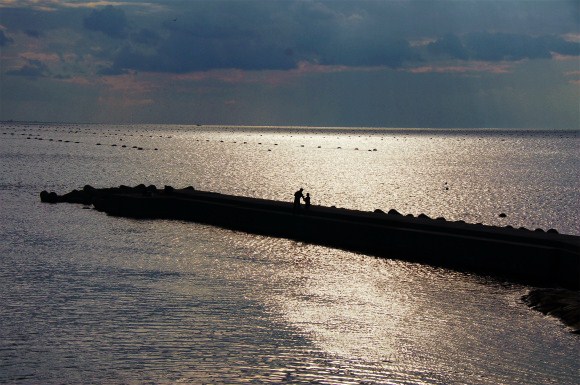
560	303
535	257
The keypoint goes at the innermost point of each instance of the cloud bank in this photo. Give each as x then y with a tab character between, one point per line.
284	41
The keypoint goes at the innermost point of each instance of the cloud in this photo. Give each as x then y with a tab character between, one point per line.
5	40
501	46
146	37
109	20
449	45
33	33
355	54
185	51
261	36
180	37
494	47
469	67
33	69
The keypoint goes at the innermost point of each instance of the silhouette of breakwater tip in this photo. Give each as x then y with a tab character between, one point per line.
560	303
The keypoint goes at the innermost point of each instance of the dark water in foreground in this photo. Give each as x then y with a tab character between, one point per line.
87	298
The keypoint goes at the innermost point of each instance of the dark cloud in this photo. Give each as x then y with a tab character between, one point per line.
561	46
109	20
449	45
25	19
4	40
185	52
260	35
33	69
33	33
502	47
145	36
185	36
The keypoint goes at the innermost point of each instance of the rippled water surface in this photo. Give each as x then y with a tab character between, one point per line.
87	298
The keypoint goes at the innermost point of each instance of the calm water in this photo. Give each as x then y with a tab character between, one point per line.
90	299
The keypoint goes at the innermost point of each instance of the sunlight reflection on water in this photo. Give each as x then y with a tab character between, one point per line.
88	298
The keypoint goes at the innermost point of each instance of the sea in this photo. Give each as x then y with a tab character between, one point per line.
86	298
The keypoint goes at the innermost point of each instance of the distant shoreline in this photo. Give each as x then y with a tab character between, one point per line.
313	128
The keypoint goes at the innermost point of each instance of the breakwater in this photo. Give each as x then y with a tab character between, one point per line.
535	257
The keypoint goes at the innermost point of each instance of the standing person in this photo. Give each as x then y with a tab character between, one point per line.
307	201
297	196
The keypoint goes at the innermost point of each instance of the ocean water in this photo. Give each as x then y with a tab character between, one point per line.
91	299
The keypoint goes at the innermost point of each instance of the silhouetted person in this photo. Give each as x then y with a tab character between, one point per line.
307	201
297	196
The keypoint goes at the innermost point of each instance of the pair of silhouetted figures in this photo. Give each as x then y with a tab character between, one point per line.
297	196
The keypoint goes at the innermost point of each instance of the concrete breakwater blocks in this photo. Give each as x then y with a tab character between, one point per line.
559	303
534	257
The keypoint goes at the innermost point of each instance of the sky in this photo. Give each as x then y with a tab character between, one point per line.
407	63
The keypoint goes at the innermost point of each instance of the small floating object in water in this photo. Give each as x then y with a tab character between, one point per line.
502	215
